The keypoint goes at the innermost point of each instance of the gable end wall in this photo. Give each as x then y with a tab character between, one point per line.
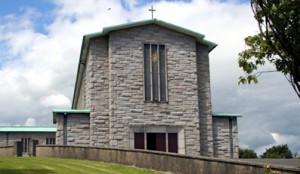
126	85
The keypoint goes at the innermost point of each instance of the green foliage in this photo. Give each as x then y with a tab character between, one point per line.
247	153
277	42
280	151
268	170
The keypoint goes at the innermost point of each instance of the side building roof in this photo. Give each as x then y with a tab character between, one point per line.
27	129
222	114
86	41
57	112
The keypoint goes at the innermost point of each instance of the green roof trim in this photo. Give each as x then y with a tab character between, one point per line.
86	42
220	114
27	128
198	36
70	111
57	112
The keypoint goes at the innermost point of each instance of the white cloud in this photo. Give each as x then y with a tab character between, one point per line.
283	139
30	122
58	100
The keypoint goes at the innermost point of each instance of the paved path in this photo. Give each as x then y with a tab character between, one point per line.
281	162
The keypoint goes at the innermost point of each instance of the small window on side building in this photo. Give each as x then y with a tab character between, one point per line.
50	141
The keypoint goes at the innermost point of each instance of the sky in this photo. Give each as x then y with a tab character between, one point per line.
40	42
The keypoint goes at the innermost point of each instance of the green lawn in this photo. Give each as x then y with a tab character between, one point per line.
32	165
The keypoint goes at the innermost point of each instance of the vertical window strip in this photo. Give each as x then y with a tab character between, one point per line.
151	78
166	77
158	71
154	58
155	80
147	73
162	73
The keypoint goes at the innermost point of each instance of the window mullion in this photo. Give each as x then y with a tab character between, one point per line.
166	76
151	83
158	69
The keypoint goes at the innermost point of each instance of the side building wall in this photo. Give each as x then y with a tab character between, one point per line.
76	132
222	137
8	138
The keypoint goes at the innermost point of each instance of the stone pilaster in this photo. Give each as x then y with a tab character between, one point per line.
204	101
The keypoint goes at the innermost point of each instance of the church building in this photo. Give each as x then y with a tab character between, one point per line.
146	85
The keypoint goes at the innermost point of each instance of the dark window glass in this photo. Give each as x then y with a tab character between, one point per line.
154	58
139	141
147	77
156	141
25	144
50	140
155	72
162	69
173	142
161	142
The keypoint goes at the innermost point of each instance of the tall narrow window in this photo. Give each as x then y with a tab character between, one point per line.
147	77
155	72
162	72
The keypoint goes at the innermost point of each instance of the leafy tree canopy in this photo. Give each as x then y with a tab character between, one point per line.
247	153
280	151
278	41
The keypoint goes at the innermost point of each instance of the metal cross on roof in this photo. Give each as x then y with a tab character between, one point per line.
152	10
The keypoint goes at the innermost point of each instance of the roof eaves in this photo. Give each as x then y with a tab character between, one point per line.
71	111
27	129
211	45
220	114
56	112
186	31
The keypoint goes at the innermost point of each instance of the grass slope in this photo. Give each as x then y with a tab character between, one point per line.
32	165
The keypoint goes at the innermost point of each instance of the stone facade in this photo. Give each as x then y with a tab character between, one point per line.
8	138
78	130
110	83
225	144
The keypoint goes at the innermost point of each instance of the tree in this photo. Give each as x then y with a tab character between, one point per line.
277	42
280	151
247	153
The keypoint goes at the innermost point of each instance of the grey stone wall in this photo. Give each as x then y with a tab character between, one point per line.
204	101
221	137
97	83
7	151
59	131
81	103
127	104
78	130
16	136
170	163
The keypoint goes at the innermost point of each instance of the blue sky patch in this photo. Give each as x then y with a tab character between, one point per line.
18	8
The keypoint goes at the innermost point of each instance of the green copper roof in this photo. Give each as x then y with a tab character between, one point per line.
198	36
57	112
86	42
27	129
71	111
220	114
